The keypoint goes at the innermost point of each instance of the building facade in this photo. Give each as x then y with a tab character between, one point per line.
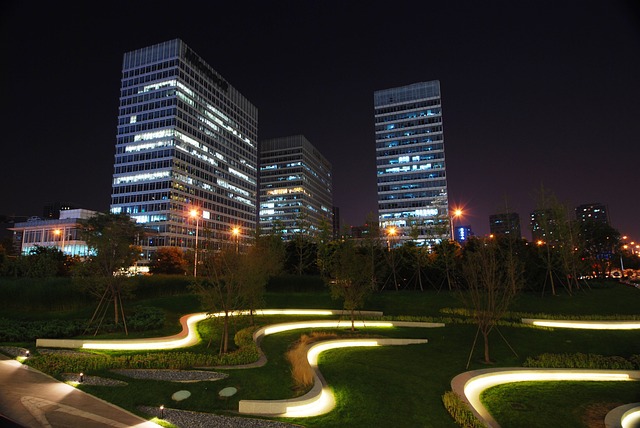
596	212
186	150
410	161
295	187
63	232
505	224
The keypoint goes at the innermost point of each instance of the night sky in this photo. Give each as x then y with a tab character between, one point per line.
535	93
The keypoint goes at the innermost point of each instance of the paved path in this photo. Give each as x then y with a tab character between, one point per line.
34	399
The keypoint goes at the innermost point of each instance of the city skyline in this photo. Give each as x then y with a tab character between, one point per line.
538	93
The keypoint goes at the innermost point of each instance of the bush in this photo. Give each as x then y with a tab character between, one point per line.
580	361
146	318
460	411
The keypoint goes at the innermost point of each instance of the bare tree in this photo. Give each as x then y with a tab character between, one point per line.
350	277
491	278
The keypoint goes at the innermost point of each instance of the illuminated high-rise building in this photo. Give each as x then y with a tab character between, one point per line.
295	187
412	181
187	142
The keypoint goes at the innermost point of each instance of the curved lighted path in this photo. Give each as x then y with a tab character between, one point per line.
627	416
187	337
470	385
319	400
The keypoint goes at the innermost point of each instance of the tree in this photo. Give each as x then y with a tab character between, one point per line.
220	288
168	260
350	277
263	260
599	241
43	262
110	238
490	279
446	259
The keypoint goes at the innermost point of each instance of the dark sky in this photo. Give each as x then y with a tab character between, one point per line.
535	93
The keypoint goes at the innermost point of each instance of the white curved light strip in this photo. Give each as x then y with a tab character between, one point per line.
631	419
474	387
315	350
324	404
588	325
320	399
278	328
170	342
189	336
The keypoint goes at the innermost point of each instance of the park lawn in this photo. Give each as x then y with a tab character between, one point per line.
562	404
386	386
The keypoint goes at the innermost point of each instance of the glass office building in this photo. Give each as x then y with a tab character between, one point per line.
295	187
412	181
186	143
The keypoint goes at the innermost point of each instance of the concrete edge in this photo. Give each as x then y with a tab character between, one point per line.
615	417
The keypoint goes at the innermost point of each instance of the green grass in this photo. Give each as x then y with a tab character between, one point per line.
395	386
561	404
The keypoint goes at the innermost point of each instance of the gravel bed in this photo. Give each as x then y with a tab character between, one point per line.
188	419
172	375
91	380
13	351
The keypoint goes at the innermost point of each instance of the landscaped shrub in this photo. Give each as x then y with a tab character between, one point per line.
301	371
146	318
29	331
460	412
579	361
635	360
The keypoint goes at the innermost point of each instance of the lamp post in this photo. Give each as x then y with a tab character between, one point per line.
59	232
236	233
194	213
390	232
455	213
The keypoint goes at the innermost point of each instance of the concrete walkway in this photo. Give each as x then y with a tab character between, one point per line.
33	399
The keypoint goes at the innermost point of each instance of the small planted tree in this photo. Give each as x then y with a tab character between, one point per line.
350	278
110	238
490	278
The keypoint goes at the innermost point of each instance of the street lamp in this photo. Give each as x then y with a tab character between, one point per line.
59	232
455	213
390	232
194	213
236	233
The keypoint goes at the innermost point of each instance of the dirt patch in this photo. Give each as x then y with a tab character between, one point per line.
595	413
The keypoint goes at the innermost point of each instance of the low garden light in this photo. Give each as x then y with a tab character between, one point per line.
81	379
162	412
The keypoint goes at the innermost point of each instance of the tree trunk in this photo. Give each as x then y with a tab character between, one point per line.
485	336
353	328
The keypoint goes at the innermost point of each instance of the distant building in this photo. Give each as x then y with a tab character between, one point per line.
592	212
52	209
295	187
462	233
505	224
186	142
63	233
412	180
543	226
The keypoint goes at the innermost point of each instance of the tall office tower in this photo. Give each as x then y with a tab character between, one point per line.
295	187
505	224
412	182
186	151
594	212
